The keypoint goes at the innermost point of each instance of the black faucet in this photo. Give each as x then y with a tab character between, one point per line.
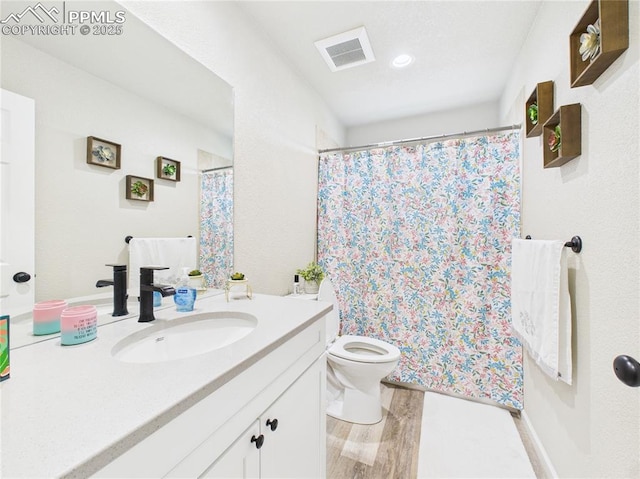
146	292
119	284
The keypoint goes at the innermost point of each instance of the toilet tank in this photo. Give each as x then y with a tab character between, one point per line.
327	293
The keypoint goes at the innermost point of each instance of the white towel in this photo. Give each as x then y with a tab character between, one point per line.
540	304
175	253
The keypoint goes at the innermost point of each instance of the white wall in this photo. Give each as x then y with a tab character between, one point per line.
470	118
275	152
82	216
592	428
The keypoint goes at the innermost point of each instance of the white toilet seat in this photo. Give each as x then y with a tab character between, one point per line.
362	349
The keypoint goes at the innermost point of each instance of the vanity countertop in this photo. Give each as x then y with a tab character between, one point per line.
66	411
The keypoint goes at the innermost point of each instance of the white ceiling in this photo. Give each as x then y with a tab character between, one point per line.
464	51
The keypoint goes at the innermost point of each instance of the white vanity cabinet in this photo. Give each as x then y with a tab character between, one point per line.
284	442
213	438
241	460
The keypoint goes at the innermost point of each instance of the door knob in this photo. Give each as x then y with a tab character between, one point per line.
258	440
627	370
21	277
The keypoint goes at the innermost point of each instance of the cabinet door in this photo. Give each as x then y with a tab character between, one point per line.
241	460
296	447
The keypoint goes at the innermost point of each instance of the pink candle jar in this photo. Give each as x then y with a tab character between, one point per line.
46	316
78	324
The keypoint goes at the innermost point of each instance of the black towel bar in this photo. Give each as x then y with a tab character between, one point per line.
575	244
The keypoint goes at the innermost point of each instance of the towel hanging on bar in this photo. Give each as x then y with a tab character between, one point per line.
174	253
541	306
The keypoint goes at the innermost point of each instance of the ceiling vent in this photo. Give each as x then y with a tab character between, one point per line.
346	50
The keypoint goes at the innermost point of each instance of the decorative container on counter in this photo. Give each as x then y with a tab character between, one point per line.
78	325
46	316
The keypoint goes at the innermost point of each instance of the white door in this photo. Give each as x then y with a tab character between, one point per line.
17	203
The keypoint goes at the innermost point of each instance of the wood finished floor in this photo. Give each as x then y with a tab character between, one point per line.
390	449
385	450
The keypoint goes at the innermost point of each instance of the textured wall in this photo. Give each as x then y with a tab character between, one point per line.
592	428
471	118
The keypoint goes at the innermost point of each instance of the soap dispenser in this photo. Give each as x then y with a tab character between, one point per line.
185	296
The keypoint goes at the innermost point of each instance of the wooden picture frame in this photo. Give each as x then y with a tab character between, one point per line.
139	188
102	152
167	169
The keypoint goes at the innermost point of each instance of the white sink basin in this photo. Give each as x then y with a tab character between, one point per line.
184	337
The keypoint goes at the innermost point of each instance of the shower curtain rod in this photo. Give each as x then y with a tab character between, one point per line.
217	169
424	138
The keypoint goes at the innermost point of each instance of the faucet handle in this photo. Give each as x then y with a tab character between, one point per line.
146	273
118	267
153	268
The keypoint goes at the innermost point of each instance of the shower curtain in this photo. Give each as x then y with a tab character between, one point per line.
416	240
216	227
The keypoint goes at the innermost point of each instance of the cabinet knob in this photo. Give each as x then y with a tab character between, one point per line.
258	440
273	424
21	277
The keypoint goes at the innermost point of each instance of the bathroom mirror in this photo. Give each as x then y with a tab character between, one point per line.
128	86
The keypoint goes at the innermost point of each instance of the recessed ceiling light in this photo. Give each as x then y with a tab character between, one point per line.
402	61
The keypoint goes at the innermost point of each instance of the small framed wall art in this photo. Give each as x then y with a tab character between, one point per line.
167	169
138	188
103	152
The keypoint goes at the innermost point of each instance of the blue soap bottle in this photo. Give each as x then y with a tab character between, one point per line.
185	296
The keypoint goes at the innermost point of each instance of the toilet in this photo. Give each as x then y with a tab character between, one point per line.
355	367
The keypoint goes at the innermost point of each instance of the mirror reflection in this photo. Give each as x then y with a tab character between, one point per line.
139	91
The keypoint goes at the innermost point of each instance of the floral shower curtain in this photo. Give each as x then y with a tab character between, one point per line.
417	240
216	227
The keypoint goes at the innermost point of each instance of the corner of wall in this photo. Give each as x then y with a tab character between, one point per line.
541	453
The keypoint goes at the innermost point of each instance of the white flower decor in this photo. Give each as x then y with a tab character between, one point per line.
103	153
590	42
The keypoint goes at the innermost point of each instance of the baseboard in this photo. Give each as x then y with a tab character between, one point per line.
545	461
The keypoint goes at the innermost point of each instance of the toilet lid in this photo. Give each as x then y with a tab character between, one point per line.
364	350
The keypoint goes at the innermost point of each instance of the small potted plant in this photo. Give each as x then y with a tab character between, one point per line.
139	189
590	42
312	276
169	170
196	279
533	113
555	139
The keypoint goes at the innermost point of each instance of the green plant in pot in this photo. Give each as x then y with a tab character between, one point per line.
312	276
169	169
139	189
196	279
555	139
533	113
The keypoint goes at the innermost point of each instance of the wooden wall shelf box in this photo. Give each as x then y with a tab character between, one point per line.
569	117
543	97
614	39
